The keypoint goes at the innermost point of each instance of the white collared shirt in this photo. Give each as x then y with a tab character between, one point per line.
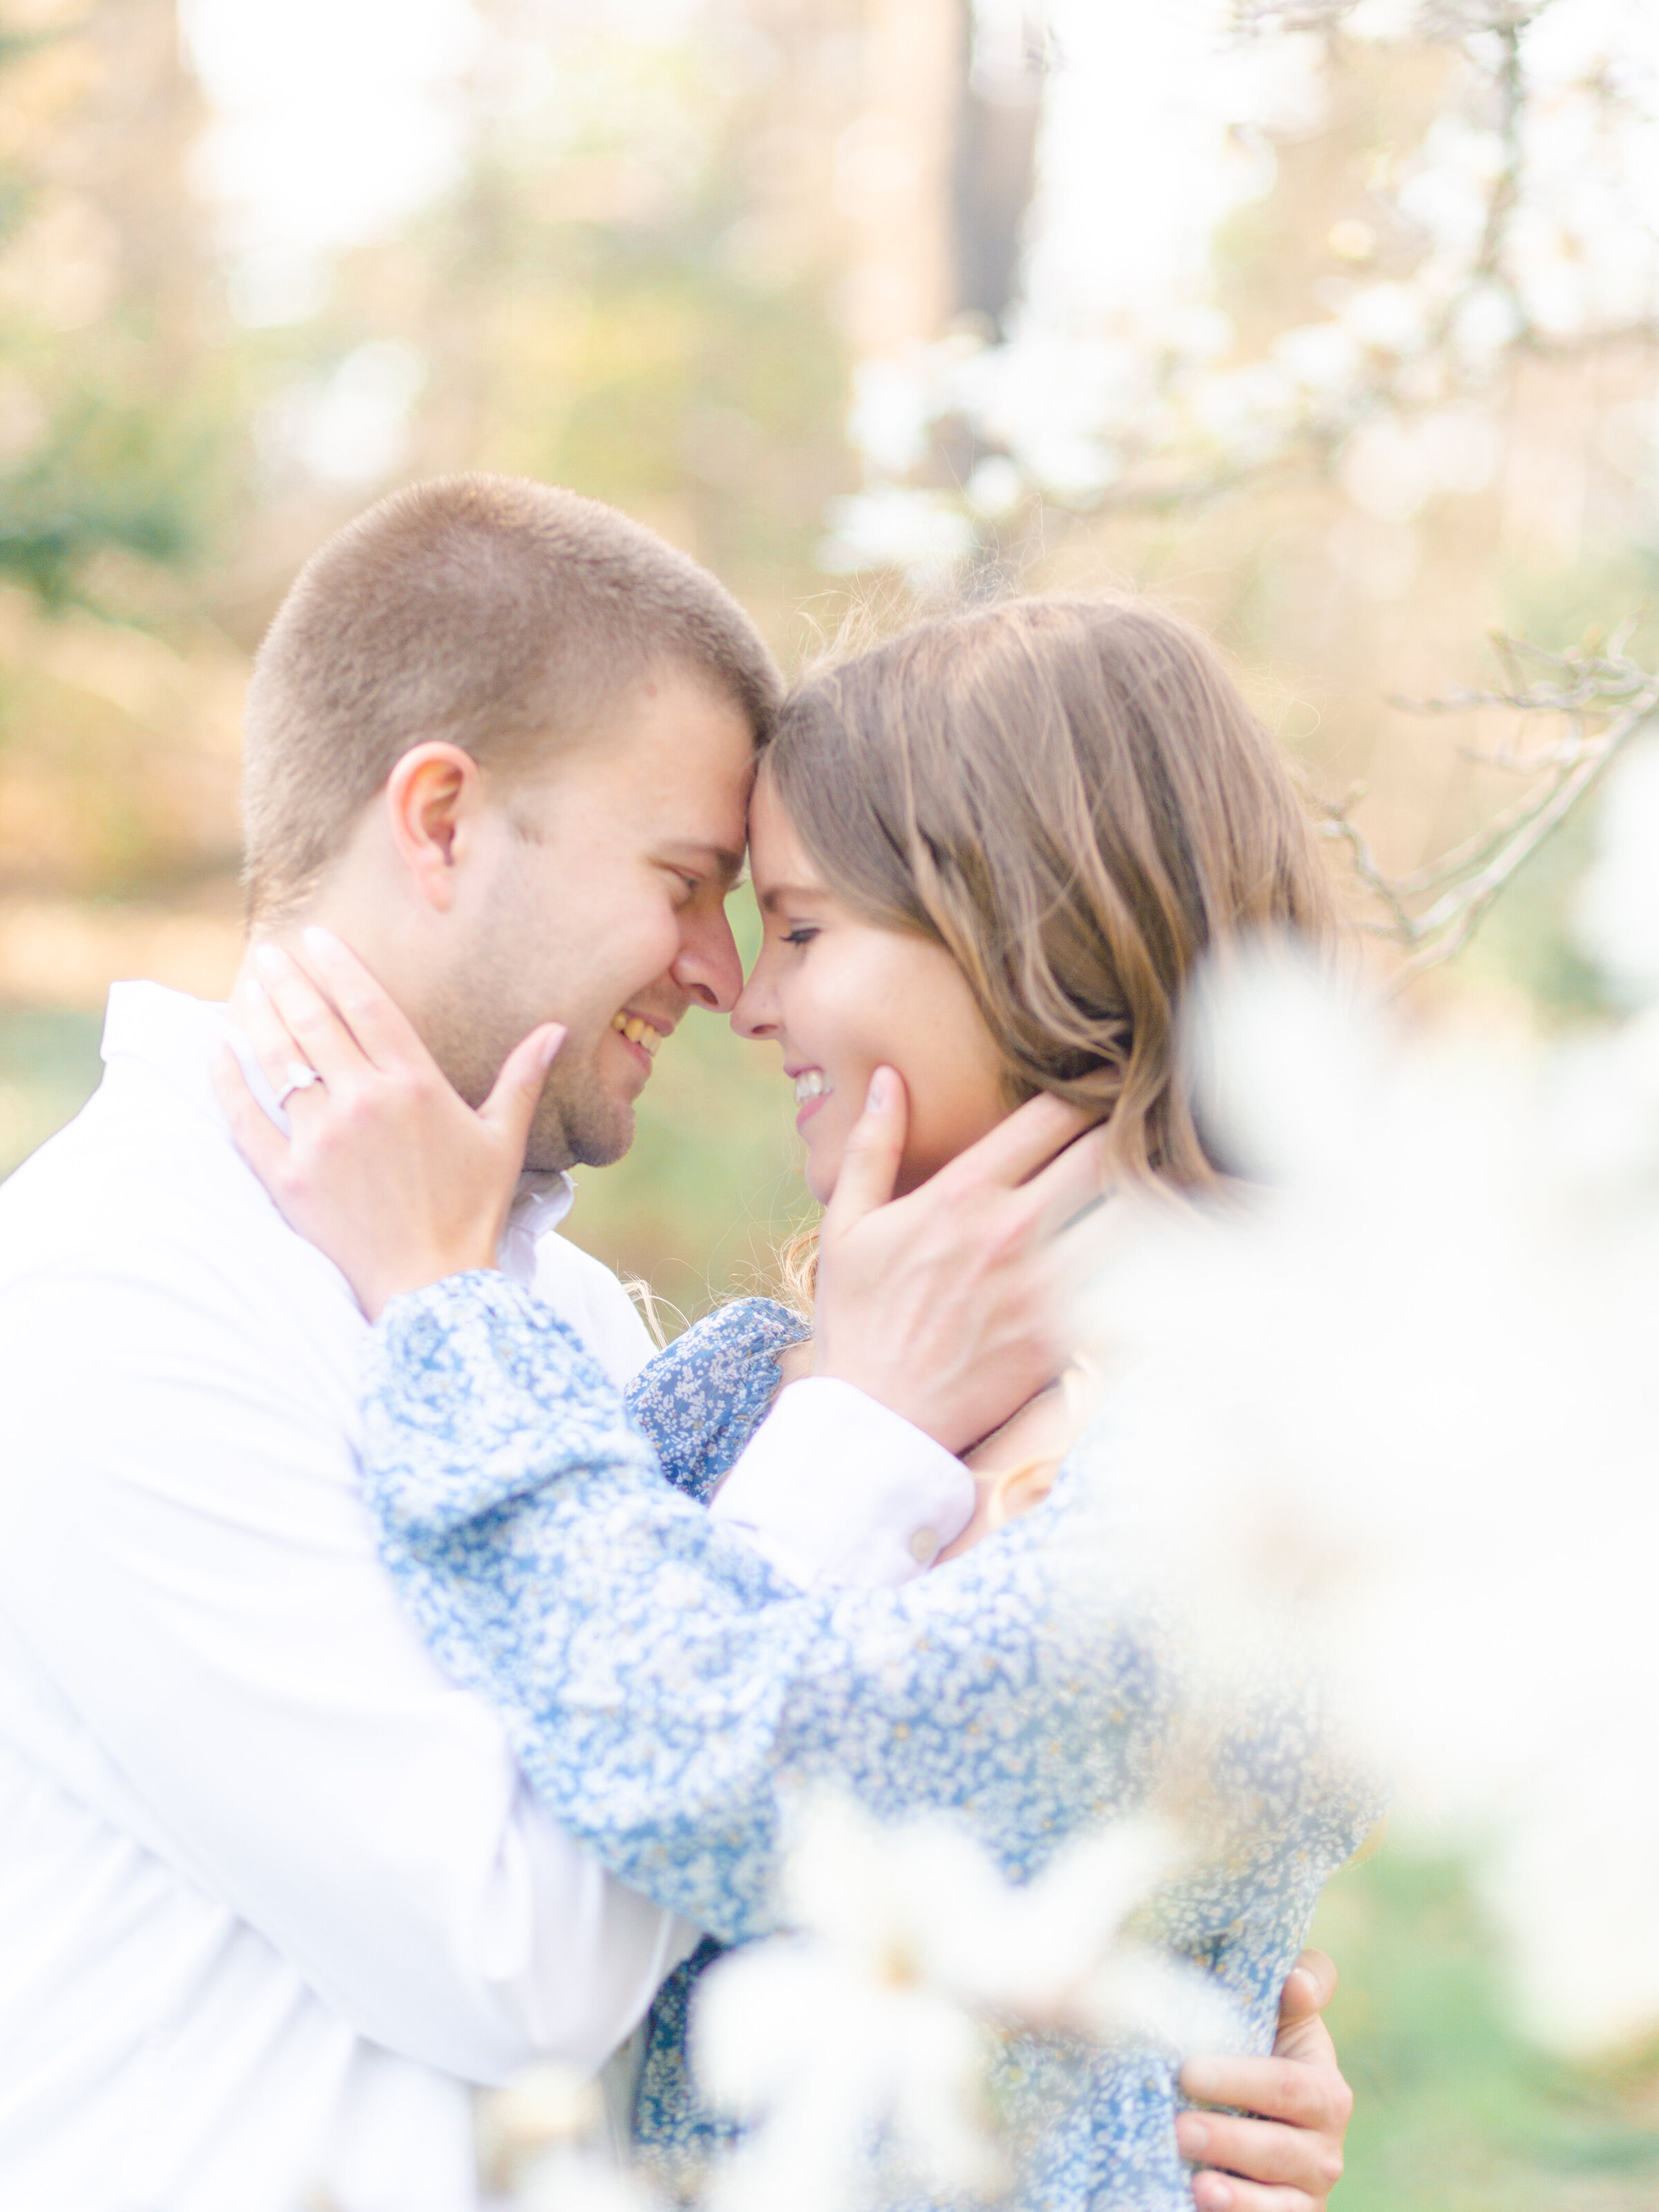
272	1894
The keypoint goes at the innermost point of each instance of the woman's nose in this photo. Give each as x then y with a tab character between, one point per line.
753	1016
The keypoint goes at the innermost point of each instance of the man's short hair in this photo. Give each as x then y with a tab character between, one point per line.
498	614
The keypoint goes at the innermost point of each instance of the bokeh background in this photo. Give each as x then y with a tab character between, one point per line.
1333	325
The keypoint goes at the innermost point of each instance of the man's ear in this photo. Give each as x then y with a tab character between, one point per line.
428	796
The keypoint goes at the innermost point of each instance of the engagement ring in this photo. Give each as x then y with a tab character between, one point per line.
300	1077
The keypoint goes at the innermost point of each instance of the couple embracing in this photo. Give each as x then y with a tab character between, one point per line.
406	1673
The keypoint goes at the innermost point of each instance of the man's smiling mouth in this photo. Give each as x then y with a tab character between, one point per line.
637	1032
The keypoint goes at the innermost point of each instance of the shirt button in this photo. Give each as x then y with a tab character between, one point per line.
924	1544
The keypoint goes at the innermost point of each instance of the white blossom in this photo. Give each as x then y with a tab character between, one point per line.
867	2035
1399	1412
892	527
1121	377
544	2146
1618	909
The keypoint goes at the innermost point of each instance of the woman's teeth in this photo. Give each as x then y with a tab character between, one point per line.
637	1032
812	1084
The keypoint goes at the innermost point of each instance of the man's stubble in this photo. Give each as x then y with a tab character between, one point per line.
577	1123
490	1006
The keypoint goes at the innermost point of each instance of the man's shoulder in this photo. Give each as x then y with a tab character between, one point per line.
144	1188
104	1175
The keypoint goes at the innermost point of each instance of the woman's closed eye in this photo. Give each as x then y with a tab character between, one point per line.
802	933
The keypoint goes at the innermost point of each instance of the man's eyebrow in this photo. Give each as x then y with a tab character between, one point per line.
719	860
777	895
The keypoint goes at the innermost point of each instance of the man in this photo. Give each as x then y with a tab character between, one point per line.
273	1894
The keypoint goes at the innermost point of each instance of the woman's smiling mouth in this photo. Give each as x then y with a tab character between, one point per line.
812	1087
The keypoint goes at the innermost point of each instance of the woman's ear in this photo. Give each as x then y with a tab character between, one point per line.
427	796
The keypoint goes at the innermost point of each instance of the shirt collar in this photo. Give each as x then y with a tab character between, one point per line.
542	1203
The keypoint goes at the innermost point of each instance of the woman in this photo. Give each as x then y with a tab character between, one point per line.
987	856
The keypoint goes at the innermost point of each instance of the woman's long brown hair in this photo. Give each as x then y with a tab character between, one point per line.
1071	797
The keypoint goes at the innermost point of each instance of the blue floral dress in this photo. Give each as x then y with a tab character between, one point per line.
669	1695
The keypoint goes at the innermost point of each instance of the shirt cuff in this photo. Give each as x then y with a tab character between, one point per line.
833	1489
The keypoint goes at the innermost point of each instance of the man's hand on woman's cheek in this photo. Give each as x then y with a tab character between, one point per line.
1287	2157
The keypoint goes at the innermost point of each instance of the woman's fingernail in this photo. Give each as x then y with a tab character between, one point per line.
550	1043
318	938
1192	2134
271	960
1211	2193
876	1097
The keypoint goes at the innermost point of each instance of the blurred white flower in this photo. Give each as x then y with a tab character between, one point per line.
1617	909
544	2146
995	487
894	528
1399	1412
350	429
793	2037
868	2035
1323	357
1201	332
1247	410
1486	321
1389	318
889	417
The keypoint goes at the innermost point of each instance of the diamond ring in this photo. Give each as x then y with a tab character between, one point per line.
300	1077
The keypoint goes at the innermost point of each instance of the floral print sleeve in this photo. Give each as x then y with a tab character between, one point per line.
668	1694
699	1402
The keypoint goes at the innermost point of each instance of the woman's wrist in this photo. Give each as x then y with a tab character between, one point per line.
376	1296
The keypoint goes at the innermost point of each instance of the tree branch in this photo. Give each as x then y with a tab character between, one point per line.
1606	687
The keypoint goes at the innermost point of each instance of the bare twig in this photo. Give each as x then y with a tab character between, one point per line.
1606	689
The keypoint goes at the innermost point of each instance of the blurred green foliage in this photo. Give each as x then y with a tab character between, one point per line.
1455	2111
123	431
49	1066
114	471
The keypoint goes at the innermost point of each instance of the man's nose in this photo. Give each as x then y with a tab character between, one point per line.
707	968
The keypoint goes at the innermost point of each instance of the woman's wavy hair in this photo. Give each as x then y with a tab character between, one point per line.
1071	797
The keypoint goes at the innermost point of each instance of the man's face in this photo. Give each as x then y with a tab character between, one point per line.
599	900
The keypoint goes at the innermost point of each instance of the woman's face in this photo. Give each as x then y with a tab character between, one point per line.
842	998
